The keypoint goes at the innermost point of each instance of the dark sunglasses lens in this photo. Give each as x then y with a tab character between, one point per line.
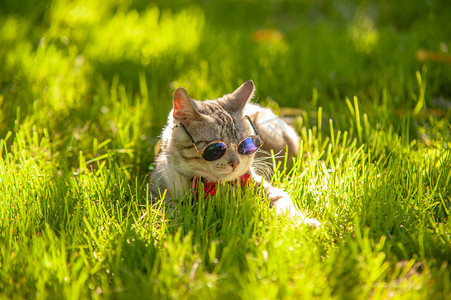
214	151
249	146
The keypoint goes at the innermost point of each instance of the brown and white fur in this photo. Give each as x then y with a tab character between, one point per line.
220	119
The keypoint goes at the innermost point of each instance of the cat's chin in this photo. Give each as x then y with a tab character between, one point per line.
216	178
231	176
226	176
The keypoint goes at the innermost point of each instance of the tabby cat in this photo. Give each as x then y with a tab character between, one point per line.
217	140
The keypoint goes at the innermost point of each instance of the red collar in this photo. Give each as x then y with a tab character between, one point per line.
210	187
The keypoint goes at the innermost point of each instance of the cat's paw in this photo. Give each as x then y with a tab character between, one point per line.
313	223
300	219
284	205
297	216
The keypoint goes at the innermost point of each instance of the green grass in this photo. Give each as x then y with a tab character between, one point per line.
86	86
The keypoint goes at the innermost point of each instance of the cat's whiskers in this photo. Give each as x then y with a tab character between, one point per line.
264	164
263	169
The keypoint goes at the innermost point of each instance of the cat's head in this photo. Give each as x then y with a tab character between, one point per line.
221	119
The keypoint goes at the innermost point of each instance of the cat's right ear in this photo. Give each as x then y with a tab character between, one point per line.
184	107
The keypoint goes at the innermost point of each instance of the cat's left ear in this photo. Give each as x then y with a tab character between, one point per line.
241	96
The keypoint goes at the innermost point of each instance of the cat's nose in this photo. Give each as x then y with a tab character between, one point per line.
234	161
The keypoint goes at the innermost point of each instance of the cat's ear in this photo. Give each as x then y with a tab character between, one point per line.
184	106
241	96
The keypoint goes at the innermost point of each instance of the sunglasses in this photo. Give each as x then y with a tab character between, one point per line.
215	150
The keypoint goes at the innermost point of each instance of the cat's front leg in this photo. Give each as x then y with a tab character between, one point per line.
282	202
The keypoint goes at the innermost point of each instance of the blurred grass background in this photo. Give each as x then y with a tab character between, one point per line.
86	87
85	69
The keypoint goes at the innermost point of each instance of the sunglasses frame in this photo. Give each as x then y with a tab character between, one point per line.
217	141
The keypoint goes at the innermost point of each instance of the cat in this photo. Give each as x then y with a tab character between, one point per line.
204	138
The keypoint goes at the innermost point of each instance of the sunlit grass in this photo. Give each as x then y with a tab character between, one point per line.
85	88
147	36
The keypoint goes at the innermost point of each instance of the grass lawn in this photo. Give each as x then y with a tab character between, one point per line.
86	87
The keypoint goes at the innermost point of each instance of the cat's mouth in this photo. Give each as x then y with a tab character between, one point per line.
220	173
220	176
232	175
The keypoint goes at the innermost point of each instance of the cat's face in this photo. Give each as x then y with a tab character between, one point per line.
209	121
